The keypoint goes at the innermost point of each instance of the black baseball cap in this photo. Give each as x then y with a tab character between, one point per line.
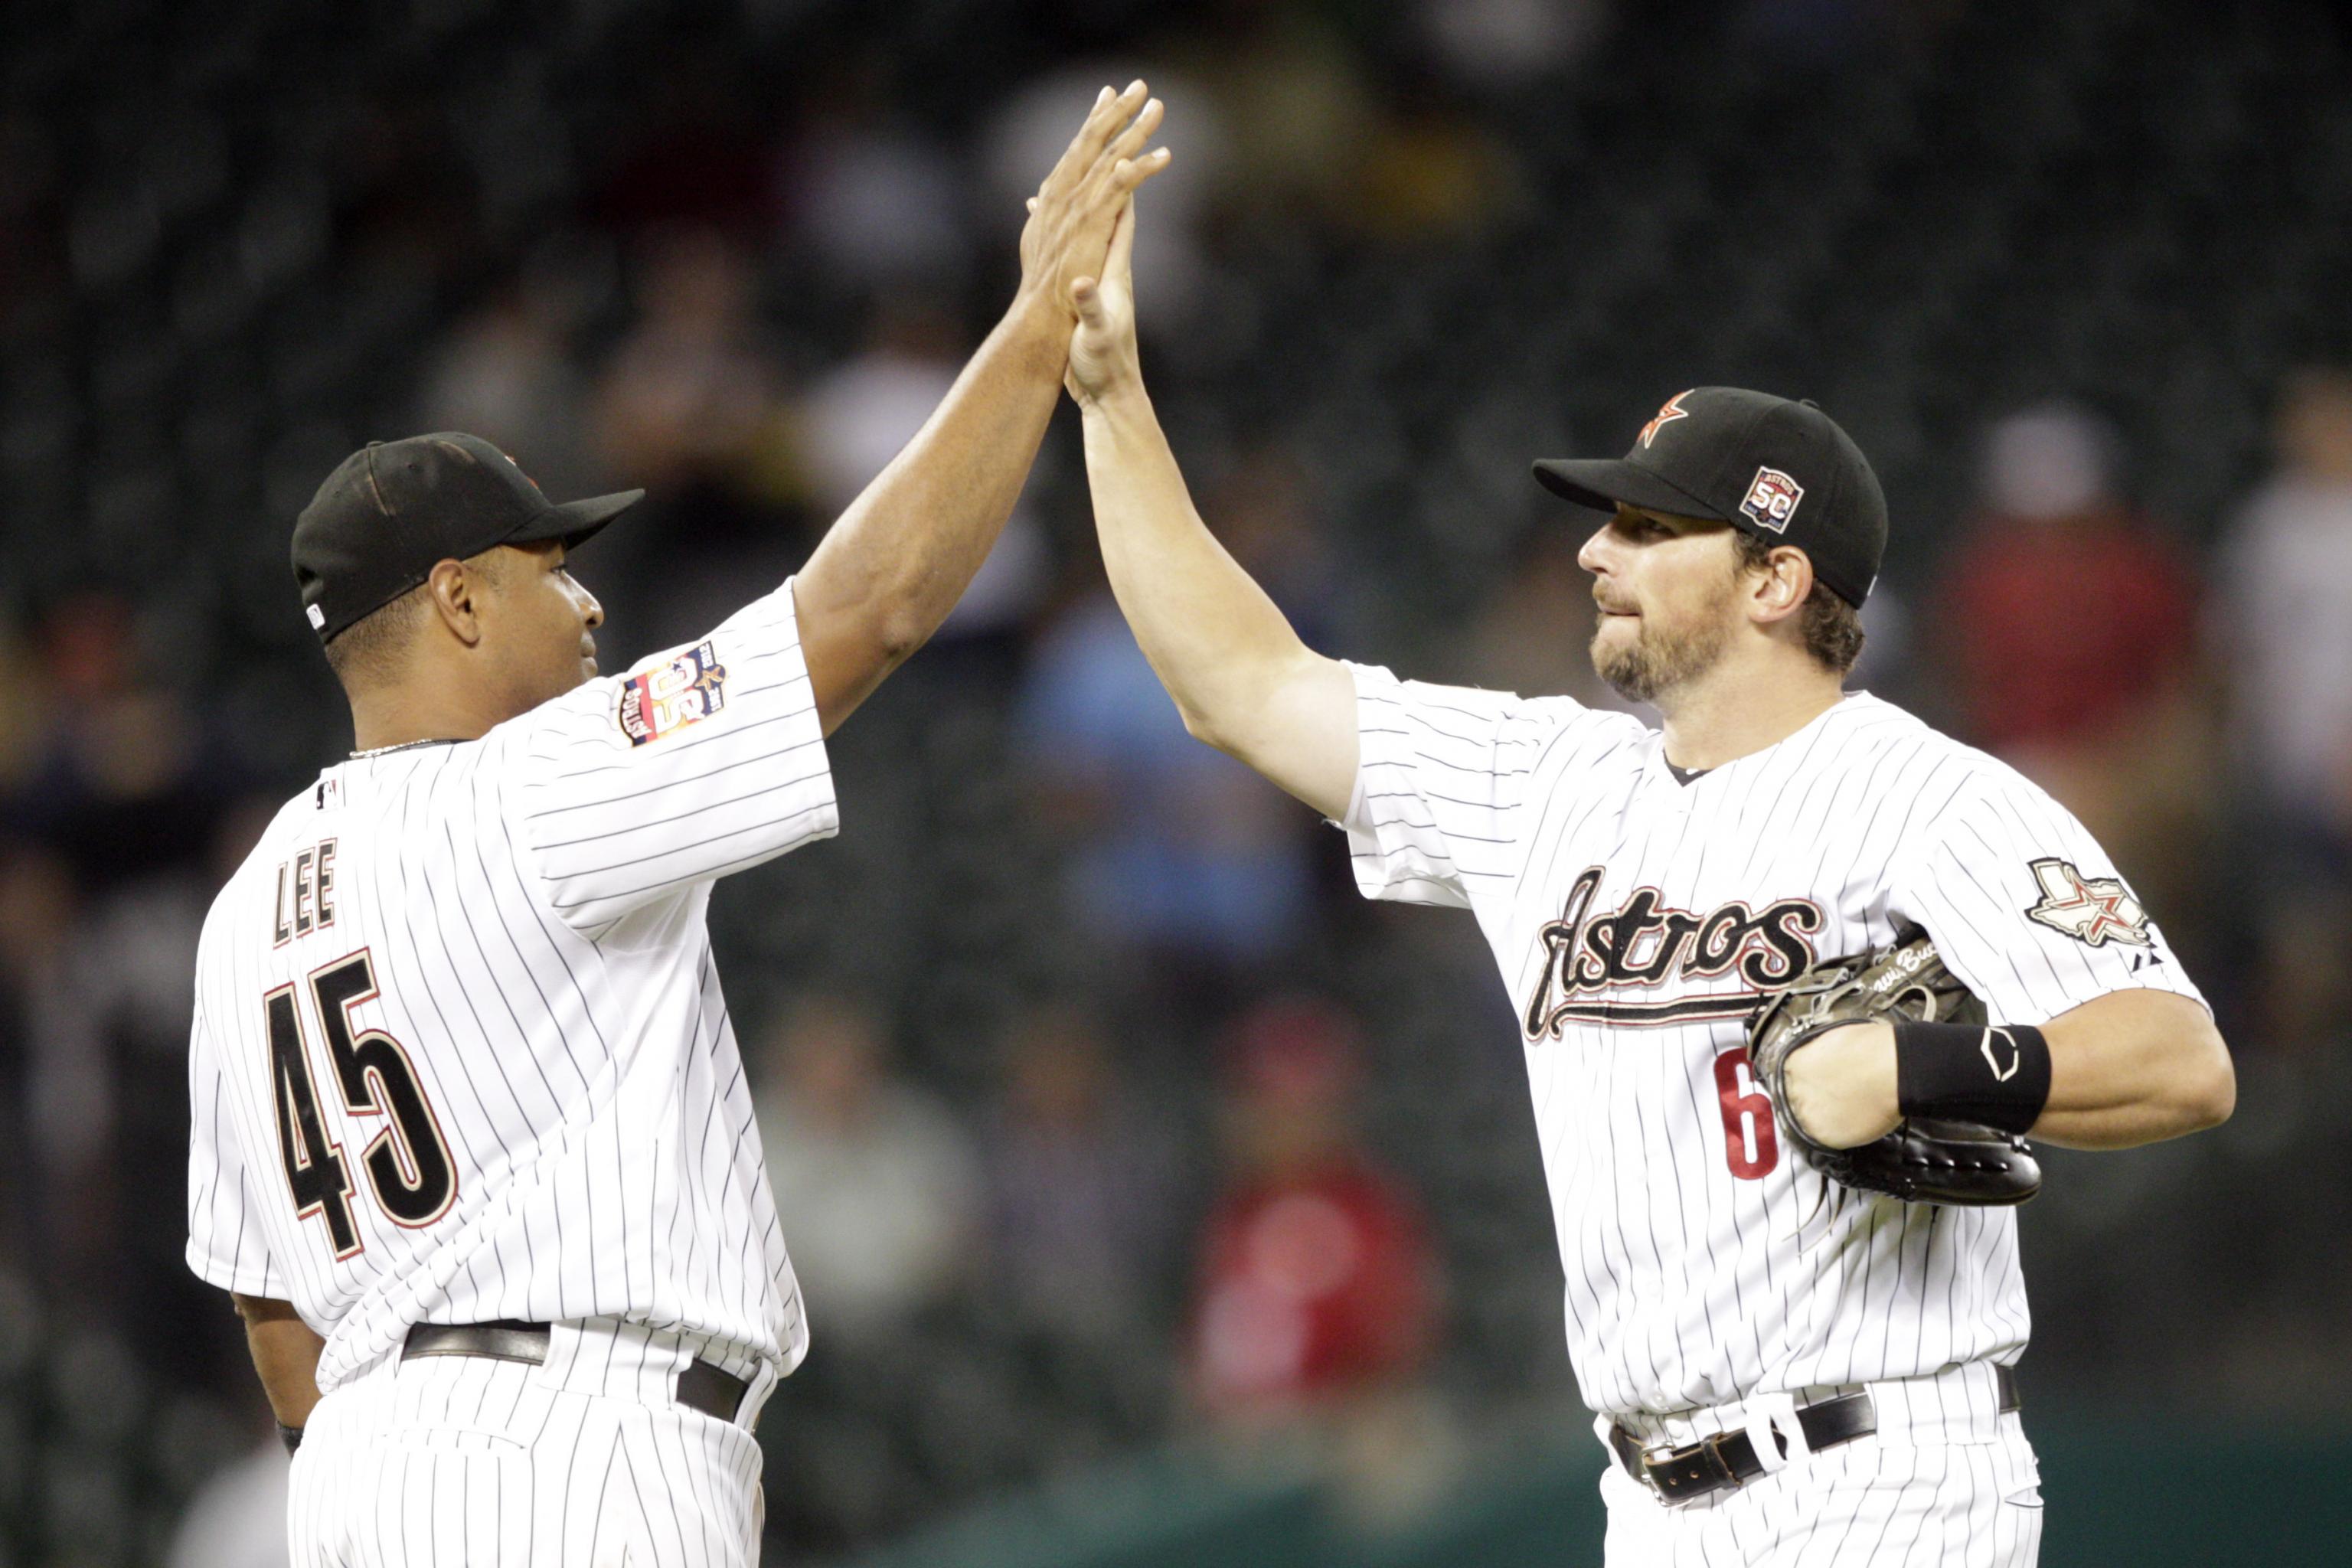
1780	470
394	510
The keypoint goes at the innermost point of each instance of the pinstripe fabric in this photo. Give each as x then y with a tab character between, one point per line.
1635	918
583	1462
530	909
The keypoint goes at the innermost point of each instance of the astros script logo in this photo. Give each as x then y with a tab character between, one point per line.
2093	910
1672	411
1646	942
669	697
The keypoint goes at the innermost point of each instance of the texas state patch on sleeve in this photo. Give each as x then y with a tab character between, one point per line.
2093	910
668	697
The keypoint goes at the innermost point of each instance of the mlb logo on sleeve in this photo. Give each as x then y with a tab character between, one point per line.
1772	497
668	697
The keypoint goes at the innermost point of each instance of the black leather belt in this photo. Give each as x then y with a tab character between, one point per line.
1728	1460
701	1385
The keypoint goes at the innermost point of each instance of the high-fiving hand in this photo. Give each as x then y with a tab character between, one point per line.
1071	216
1102	350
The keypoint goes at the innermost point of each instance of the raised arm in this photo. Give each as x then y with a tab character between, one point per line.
891	568
1243	680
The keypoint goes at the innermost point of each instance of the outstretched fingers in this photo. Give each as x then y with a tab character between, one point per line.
1130	141
1111	112
1129	172
1105	179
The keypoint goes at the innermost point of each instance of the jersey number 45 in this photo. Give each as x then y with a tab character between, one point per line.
407	1165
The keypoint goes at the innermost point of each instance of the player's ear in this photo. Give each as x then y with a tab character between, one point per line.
456	590
1780	587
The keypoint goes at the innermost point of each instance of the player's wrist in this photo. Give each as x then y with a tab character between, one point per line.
1995	1075
1041	311
1842	1085
1120	396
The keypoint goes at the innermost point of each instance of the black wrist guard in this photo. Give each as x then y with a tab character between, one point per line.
290	1436
1995	1075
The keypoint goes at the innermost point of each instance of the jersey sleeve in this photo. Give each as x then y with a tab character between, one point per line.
2027	908
699	761
1441	786
225	1245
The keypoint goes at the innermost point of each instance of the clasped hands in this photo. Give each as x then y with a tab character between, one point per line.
1075	245
1077	251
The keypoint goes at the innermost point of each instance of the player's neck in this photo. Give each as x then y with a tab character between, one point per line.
1730	713
413	711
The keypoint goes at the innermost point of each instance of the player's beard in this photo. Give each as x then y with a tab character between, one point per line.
1663	655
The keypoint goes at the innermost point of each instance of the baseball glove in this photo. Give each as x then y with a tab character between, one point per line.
1922	1160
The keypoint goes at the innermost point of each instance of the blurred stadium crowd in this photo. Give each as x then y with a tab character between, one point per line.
1099	1109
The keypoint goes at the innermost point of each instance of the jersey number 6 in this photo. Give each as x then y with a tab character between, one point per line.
1749	1143
408	1165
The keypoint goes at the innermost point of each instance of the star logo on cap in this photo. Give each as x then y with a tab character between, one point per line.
1672	411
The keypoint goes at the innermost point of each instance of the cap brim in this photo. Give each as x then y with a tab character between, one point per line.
1602	483
575	521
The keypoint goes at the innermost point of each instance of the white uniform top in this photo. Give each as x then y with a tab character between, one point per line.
1636	918
459	1052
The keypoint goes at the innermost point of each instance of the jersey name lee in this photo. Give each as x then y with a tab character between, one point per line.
1647	942
306	885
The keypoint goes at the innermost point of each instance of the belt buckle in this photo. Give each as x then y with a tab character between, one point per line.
1655	1455
1719	1474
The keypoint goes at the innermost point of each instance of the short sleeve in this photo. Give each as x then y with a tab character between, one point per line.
225	1231
1442	780
699	761
2026	906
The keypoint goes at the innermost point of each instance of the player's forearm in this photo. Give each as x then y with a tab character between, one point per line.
1239	673
1209	630
285	1355
2129	1067
889	570
2134	1067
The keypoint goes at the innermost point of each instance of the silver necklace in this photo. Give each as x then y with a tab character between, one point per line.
403	746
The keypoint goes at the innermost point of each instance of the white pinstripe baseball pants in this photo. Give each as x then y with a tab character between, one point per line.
582	1462
1947	1483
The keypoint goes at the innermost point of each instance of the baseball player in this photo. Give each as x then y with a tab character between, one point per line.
1786	1370
471	1142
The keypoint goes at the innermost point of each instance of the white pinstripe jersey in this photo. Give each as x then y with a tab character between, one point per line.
1636	917
459	1051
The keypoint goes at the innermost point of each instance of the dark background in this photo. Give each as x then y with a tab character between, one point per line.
2074	276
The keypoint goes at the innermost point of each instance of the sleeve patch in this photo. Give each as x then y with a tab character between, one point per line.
2093	910
668	697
